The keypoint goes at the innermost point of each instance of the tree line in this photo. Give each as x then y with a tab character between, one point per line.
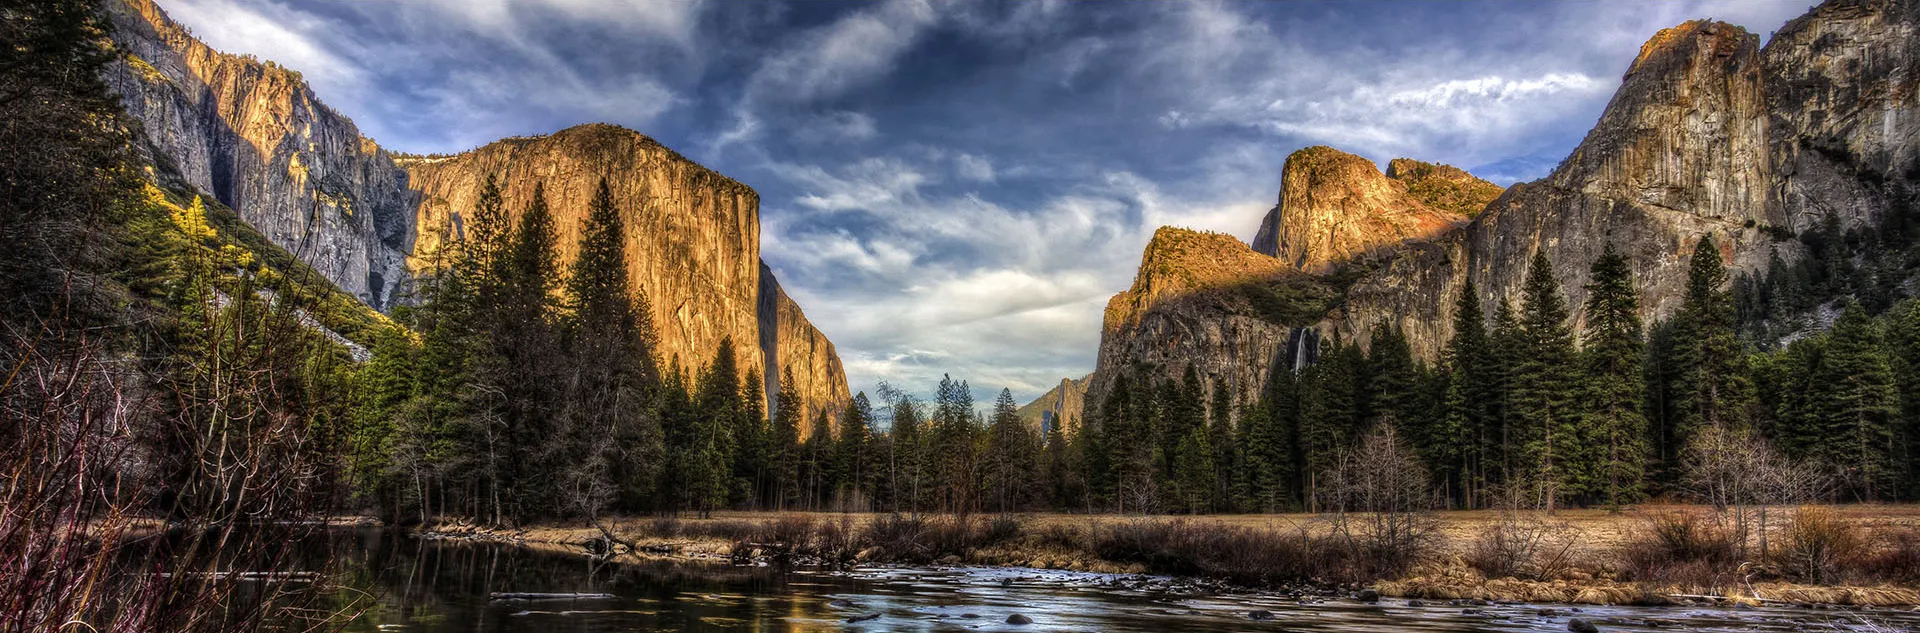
1522	410
524	390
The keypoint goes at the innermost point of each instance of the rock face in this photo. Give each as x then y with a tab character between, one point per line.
1206	300
252	135
1843	99
1444	187
791	346
1708	134
693	244
1334	206
1057	406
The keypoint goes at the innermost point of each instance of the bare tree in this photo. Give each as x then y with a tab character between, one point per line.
1740	474
1382	502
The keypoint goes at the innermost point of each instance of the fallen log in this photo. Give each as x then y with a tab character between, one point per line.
548	596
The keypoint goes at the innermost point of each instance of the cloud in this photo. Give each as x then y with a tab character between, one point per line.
975	168
958	187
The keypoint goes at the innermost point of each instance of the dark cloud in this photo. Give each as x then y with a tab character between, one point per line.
959	186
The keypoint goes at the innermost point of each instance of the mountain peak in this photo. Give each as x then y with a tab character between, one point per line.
1335	205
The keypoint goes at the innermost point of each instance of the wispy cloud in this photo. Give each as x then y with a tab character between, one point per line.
957	186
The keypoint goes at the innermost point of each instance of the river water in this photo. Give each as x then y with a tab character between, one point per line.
411	584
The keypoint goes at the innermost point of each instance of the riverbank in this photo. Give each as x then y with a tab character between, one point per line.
1868	555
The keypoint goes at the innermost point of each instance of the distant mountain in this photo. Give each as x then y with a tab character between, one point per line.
1057	405
256	137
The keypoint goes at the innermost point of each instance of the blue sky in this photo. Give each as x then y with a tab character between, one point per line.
960	186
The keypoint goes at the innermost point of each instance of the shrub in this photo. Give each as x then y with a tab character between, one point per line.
1001	529
1239	554
1819	544
1060	535
1680	547
900	538
1897	558
1523	546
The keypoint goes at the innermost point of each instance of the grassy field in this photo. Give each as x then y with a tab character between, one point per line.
1847	554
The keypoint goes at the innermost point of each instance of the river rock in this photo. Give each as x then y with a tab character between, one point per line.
1019	619
864	618
1578	625
1368	596
1260	614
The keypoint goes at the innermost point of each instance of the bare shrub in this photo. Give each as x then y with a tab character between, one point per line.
900	538
665	527
1819	545
1896	557
1523	545
1001	529
1239	554
1382	505
1680	546
1740	474
1061	535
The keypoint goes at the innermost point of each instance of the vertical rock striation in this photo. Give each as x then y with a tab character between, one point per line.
791	346
252	135
1208	301
1708	134
1058	405
693	244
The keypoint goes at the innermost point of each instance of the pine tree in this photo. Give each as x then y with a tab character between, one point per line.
528	341
1856	402
956	435
785	450
612	438
1710	382
752	437
907	474
1614	388
1468	399
1542	413
716	405
856	459
1010	458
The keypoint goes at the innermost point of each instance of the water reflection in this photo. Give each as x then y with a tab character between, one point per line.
443	587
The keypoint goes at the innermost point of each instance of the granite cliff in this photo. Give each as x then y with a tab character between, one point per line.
1335	206
253	135
1205	300
1708	134
1059	405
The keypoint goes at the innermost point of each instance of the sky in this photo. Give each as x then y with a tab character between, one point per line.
953	187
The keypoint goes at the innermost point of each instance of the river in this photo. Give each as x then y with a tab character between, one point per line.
439	586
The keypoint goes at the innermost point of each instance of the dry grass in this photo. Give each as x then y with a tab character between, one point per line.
1640	556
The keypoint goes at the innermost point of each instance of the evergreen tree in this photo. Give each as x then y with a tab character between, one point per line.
1614	388
612	440
856	459
785	449
528	342
1468	400
956	435
1542	402
909	468
716	405
1856	403
752	441
1010	457
1710	382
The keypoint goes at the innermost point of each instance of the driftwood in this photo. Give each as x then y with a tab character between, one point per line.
548	596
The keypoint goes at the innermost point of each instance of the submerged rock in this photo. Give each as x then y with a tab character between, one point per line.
1578	625
1019	619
